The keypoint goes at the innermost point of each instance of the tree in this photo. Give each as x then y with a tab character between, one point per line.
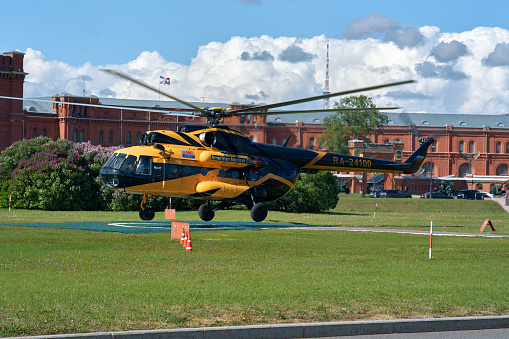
347	125
313	193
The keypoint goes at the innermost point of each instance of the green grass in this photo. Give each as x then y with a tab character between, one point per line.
66	281
352	211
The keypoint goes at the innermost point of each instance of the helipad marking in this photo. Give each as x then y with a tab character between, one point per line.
140	224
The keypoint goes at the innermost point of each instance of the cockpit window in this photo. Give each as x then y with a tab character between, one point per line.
129	164
108	163
118	161
144	165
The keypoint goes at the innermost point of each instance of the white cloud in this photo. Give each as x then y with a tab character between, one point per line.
466	72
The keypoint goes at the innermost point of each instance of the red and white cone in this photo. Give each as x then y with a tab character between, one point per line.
184	243
182	237
189	247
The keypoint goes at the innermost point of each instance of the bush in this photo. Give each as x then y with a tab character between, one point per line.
312	193
52	175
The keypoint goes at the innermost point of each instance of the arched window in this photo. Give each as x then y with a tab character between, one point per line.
44	132
502	170
34	132
428	169
138	138
284	141
312	143
101	137
242	119
82	135
386	141
471	147
110	137
464	170
507	147
274	141
461	146
128	138
498	147
75	135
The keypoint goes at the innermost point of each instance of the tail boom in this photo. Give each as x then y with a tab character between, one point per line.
341	162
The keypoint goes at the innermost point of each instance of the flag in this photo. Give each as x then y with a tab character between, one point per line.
164	81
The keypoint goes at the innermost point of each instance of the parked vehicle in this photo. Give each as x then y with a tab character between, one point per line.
375	194
436	195
470	194
394	194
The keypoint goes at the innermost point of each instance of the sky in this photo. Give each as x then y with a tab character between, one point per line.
266	51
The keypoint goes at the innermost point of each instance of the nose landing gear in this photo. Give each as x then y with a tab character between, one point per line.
146	213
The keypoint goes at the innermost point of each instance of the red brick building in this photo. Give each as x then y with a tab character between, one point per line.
12	117
121	122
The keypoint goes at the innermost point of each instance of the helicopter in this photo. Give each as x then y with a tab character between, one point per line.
215	163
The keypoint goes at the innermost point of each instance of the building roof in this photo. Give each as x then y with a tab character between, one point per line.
405	119
36	106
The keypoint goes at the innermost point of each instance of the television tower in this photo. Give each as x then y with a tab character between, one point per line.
326	87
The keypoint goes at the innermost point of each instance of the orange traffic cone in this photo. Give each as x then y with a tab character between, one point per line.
182	237
184	243
189	247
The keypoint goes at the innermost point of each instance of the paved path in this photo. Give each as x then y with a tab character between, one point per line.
359	229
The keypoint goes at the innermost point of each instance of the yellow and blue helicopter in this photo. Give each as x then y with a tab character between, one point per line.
215	163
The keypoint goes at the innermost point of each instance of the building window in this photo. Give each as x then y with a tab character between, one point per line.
110	137
471	147
502	170
461	146
75	135
312	143
242	119
128	138
507	147
138	138
498	146
386	141
274	141
34	132
82	135
44	132
101	137
284	141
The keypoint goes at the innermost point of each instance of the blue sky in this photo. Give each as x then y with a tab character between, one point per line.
265	51
110	32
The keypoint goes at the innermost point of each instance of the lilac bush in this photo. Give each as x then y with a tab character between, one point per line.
53	175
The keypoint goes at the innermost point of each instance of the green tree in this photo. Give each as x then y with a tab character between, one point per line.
312	193
347	124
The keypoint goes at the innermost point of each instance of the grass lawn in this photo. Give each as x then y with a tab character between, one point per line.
65	281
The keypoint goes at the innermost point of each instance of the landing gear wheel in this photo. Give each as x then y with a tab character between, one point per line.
147	214
259	212
205	212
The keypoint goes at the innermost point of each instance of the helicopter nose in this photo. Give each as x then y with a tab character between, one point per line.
112	178
118	170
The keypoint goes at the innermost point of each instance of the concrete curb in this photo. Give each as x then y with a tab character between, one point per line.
306	330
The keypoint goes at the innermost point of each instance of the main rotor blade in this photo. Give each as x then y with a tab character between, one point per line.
125	108
141	83
332	111
318	97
